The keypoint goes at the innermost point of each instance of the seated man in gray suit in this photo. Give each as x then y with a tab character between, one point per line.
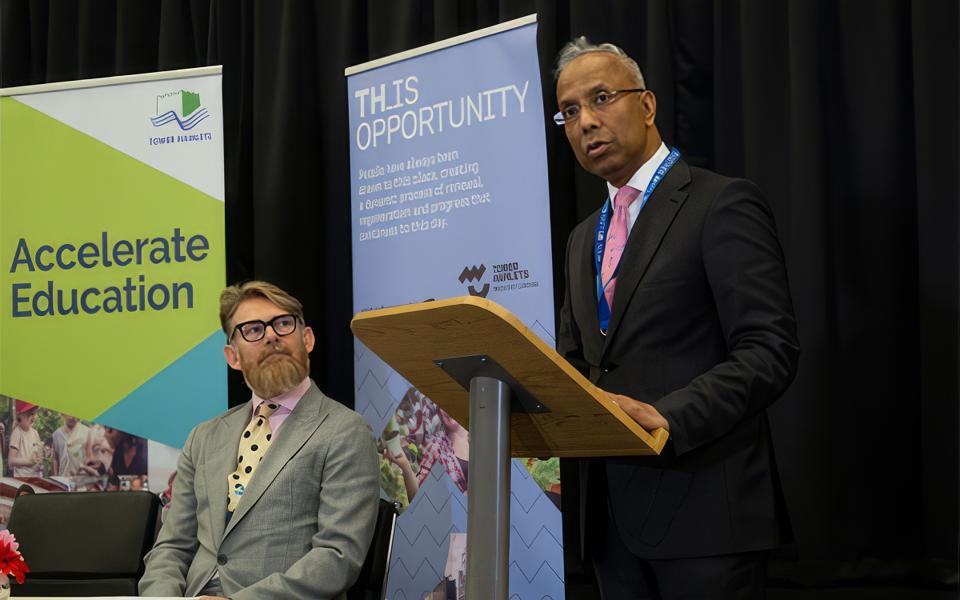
276	498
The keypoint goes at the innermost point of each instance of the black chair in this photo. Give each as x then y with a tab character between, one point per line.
83	543
372	582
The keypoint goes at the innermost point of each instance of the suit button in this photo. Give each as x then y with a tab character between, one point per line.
221	559
606	369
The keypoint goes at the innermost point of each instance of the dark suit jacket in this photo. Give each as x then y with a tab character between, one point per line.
703	329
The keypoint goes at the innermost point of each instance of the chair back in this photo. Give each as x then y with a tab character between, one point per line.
372	582
83	543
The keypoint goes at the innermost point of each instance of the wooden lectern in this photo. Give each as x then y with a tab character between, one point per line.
514	393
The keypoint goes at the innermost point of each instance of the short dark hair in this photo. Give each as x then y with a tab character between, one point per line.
579	46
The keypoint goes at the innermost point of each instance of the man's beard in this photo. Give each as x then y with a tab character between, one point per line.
277	372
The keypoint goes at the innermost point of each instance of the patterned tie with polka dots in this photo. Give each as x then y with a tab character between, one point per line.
253	445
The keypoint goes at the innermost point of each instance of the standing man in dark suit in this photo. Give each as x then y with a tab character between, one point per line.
275	498
677	305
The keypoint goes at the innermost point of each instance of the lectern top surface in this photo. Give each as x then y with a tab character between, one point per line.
581	419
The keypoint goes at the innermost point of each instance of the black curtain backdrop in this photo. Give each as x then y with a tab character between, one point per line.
845	113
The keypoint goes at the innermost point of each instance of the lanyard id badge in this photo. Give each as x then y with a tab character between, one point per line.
600	238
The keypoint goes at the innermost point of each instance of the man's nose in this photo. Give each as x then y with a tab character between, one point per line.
270	334
588	118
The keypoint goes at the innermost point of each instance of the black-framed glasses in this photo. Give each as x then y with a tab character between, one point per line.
598	101
253	331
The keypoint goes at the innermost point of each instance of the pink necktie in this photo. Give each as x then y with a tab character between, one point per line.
616	240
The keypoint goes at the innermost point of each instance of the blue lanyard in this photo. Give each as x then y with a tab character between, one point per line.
600	243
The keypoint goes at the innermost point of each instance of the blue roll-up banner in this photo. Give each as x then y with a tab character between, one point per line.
449	197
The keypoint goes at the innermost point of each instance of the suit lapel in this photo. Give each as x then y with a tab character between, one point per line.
226	436
297	429
586	267
651	226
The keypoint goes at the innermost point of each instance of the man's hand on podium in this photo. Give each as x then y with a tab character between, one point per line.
644	414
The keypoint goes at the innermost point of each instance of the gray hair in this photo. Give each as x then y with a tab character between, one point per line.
581	45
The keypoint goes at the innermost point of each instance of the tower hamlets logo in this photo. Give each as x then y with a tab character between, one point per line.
475	273
182	107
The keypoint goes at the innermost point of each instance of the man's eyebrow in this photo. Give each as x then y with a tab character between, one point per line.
600	87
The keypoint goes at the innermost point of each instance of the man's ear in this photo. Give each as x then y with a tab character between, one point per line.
649	103
308	339
232	356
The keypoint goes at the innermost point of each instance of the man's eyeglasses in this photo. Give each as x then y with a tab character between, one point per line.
253	331
599	101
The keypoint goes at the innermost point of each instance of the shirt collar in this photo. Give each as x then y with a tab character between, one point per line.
641	179
288	400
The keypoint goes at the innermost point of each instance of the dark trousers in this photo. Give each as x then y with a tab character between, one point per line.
623	576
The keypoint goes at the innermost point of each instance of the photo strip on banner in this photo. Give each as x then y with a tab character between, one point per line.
43	450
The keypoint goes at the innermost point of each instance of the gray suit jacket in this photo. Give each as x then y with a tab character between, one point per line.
301	530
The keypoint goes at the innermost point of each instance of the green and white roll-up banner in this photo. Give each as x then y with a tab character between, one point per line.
111	261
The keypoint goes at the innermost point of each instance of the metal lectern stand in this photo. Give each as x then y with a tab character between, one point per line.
514	393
